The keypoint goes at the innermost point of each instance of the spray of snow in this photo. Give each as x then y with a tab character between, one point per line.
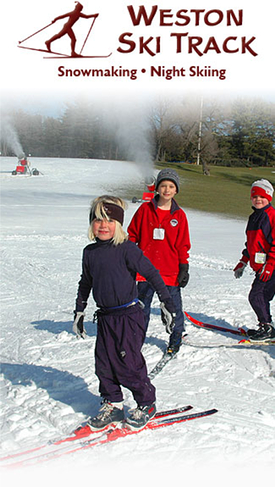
9	137
132	132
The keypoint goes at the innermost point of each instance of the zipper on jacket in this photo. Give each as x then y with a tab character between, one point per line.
261	247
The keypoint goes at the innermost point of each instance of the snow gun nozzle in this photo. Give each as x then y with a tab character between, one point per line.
150	183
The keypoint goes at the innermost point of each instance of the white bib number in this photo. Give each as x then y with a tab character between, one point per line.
260	258
158	234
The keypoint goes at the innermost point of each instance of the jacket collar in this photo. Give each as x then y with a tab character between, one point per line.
174	205
103	242
258	210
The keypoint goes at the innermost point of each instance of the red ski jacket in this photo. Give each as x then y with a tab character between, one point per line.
260	232
166	247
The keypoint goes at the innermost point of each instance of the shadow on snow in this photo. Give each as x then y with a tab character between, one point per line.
60	385
57	327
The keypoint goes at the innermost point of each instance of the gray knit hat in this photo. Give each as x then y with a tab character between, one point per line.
170	175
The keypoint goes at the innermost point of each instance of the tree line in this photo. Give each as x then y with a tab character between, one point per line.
189	130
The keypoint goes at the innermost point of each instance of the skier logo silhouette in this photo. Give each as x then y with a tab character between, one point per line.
74	15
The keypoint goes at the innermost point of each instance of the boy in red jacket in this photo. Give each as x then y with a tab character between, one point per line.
160	229
260	253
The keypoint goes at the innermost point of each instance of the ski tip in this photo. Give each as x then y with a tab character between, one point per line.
242	331
246	341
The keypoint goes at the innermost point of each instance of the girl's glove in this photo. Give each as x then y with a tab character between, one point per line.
239	269
266	272
78	325
168	315
183	276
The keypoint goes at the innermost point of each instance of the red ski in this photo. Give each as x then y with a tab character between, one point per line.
109	436
208	326
85	432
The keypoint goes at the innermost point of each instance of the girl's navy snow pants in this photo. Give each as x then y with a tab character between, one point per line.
118	358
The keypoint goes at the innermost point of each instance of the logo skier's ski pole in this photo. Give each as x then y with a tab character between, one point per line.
88	35
40	30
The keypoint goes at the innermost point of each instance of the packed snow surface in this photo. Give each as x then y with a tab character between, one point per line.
48	383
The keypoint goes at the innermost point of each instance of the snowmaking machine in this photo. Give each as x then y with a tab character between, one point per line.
24	167
149	194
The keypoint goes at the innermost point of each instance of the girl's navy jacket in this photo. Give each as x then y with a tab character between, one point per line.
110	272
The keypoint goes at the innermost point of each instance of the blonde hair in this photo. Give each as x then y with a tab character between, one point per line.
97	211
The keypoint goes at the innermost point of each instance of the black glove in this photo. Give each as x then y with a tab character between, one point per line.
78	325
183	276
168	314
239	269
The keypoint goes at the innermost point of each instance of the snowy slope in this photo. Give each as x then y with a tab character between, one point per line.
48	384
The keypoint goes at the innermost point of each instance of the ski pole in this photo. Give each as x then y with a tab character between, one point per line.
19	42
88	33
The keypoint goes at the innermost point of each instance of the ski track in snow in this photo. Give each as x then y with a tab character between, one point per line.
48	385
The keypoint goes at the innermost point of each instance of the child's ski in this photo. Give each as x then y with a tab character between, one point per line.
161	364
85	432
240	332
248	342
111	435
208	326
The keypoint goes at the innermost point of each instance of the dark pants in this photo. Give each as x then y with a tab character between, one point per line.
118	358
260	296
146	293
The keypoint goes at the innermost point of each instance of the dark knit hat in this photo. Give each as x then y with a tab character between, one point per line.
112	211
170	175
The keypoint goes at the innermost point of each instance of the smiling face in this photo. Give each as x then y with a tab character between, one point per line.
104	229
167	190
259	201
